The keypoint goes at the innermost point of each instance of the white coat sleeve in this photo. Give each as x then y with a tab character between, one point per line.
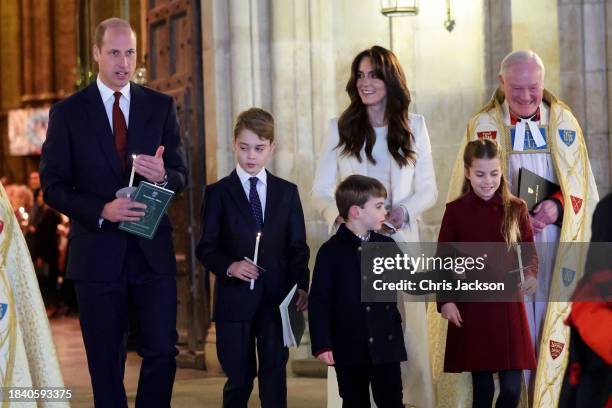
425	191
325	181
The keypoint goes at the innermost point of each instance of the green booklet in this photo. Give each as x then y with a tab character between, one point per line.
157	199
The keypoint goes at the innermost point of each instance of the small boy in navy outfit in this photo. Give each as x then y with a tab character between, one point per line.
248	202
364	341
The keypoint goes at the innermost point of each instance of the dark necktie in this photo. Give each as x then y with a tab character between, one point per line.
255	203
119	130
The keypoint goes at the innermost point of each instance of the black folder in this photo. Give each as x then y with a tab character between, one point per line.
534	189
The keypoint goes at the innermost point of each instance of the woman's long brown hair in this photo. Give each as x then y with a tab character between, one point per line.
354	125
489	149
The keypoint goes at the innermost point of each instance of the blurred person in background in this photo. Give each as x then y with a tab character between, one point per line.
43	236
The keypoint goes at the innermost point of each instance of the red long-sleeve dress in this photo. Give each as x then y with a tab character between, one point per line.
494	335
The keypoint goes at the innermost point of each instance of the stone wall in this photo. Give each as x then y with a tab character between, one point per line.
584	75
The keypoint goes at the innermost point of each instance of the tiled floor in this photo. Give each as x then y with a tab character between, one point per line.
192	388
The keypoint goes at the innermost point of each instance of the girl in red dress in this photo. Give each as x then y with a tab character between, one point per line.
488	337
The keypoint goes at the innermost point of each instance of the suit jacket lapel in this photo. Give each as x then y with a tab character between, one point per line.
137	137
99	122
273	198
237	193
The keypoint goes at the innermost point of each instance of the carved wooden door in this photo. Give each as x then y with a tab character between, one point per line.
173	47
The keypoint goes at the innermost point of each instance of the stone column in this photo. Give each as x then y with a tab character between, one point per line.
596	128
498	39
291	97
242	66
584	78
608	42
291	101
536	26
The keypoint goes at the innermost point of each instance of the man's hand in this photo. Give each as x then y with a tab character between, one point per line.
302	301
123	209
397	217
451	313
243	270
544	214
327	357
529	286
151	167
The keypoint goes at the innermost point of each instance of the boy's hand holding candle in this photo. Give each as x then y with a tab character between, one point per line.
243	270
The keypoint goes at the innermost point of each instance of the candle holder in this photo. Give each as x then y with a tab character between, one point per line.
127	192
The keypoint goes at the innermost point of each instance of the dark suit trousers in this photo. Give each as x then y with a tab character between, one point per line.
236	345
354	385
104	322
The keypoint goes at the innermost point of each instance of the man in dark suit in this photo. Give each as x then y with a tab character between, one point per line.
235	209
84	162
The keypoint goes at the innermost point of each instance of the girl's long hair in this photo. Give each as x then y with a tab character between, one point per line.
489	149
354	125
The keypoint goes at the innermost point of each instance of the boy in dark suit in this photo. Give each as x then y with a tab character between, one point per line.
364	341
235	210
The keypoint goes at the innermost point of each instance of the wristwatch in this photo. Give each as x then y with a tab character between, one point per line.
163	183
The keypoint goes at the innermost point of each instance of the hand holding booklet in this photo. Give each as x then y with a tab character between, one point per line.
292	319
534	189
157	200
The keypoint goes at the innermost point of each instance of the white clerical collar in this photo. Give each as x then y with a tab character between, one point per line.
244	176
521	125
543	113
107	92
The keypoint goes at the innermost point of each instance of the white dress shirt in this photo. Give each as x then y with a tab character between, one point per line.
108	98
262	179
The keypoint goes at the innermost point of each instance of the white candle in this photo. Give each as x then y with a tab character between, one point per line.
520	263
133	170
255	257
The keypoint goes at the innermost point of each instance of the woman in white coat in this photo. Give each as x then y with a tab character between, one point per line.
376	136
